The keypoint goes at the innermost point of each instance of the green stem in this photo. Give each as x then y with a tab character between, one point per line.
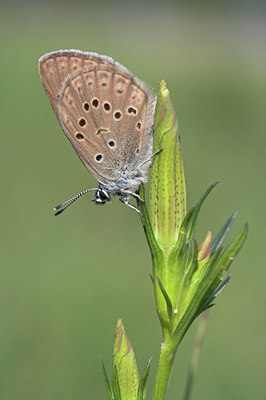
167	357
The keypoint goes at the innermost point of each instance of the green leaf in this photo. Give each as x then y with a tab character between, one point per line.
209	281
201	293
210	277
115	383
106	380
167	300
143	381
197	209
178	257
146	223
214	294
231	251
220	237
187	287
182	235
194	259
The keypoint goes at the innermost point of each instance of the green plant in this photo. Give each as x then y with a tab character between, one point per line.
186	278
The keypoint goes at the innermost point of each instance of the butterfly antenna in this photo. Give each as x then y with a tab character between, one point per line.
61	207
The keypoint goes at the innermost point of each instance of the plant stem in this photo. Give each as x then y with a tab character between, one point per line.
166	362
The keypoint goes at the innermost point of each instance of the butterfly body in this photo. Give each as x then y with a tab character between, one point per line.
107	115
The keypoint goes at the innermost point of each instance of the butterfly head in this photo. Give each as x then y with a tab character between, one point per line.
101	195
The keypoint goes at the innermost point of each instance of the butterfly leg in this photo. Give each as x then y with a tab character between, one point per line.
125	201
149	159
128	192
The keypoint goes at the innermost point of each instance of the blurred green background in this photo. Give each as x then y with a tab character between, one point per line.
66	280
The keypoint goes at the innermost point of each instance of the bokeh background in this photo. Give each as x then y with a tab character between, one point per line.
65	281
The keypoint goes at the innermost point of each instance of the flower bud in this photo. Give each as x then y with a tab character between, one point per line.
167	204
125	370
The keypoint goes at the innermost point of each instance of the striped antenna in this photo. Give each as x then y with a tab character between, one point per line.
61	207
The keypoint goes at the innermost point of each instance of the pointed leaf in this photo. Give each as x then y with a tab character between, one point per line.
197	209
189	265
167	300
143	381
185	224
106	380
188	287
182	235
115	384
194	259
214	294
205	286
231	251
146	223
220	237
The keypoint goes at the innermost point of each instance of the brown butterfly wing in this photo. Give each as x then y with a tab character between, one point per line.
103	109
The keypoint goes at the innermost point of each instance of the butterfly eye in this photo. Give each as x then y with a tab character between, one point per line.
103	195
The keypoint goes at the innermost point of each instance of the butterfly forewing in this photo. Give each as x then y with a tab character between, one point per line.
104	110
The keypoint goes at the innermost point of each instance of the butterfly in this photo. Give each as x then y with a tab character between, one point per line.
107	114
